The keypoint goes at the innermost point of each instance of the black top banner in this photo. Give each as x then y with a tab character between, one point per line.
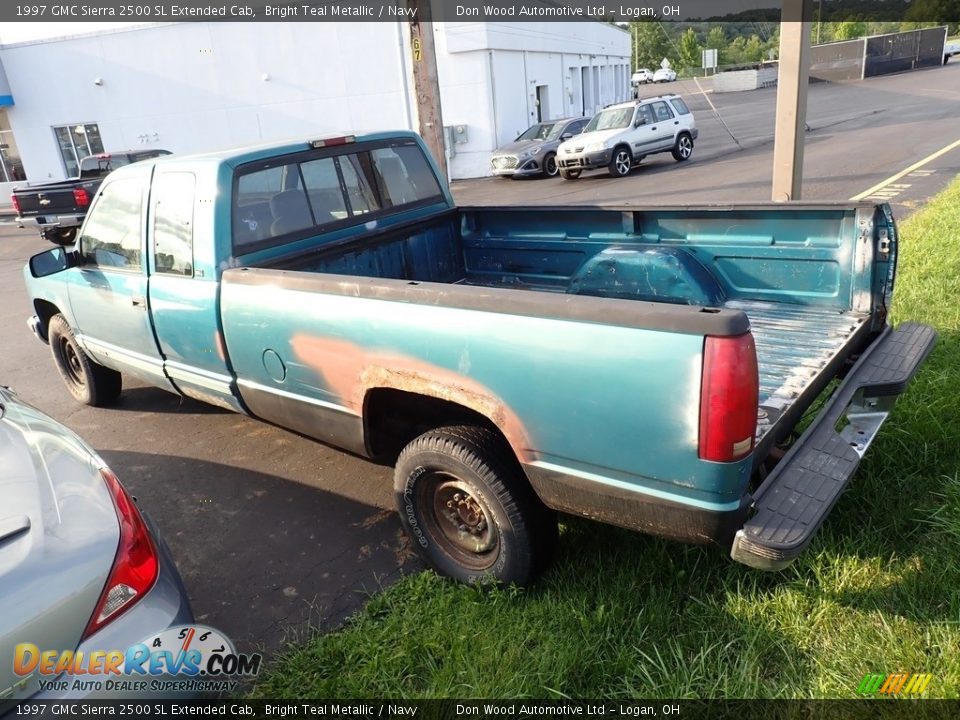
613	11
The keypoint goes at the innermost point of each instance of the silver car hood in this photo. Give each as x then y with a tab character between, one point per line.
58	537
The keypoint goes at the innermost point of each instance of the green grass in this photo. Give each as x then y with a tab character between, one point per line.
623	615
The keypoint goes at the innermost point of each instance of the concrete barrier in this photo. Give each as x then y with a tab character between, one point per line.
740	80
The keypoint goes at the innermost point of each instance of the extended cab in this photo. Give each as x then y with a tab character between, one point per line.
56	209
645	367
620	136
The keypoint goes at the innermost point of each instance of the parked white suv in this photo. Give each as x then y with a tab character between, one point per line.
620	136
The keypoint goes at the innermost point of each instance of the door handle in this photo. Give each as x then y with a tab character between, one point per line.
676	122
653	128
139	301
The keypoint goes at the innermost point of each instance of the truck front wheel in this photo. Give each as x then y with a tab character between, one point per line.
88	382
468	509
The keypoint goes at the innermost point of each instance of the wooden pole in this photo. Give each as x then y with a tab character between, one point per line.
794	77
426	83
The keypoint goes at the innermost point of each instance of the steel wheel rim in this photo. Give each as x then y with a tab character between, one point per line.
686	147
458	520
71	362
623	163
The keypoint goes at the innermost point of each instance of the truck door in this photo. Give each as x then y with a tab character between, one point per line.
108	296
183	285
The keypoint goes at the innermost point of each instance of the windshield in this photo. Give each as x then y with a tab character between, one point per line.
610	119
541	131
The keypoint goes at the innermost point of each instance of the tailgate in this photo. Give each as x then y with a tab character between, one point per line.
795	499
41	202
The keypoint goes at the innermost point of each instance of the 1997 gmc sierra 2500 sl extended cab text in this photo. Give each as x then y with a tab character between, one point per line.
644	367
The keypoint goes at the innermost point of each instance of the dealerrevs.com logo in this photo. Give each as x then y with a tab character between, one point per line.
188	658
895	684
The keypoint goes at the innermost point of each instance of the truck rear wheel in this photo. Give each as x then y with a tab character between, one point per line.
88	382
468	509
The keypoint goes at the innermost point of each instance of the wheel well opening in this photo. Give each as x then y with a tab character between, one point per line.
45	310
393	418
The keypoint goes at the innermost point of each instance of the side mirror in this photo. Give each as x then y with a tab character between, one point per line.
639	121
566	136
53	261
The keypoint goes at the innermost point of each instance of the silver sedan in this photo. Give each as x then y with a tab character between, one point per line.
82	570
534	152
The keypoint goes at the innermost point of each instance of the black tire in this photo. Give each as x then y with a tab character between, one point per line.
61	236
88	381
682	147
569	174
468	509
621	160
550	167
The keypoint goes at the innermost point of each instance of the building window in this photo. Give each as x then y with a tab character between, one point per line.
11	169
77	142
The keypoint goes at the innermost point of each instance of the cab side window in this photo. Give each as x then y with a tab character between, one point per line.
645	115
111	234
661	111
173	222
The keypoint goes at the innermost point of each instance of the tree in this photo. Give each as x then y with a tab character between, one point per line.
651	44
942	12
753	49
736	51
849	29
689	50
717	40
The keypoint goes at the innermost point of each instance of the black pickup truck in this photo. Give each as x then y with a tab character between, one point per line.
57	209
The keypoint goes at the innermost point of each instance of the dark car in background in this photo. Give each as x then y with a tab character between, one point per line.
57	209
534	152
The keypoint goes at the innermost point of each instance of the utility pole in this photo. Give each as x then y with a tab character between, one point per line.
792	85
426	83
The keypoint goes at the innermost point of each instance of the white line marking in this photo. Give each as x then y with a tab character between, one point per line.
915	166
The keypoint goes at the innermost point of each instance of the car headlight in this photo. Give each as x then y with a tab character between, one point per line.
533	152
596	147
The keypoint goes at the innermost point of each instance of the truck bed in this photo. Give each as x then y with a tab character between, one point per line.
796	346
792	277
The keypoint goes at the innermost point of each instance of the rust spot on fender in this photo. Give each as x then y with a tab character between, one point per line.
351	372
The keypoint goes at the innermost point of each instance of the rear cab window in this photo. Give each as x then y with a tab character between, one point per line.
295	196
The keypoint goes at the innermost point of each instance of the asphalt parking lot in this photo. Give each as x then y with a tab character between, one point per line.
272	531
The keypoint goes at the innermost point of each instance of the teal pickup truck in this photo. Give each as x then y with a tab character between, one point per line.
640	366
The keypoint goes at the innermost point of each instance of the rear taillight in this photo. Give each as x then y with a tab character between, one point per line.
80	197
135	566
728	398
16	204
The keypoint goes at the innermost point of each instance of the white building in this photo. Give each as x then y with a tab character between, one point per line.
190	87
